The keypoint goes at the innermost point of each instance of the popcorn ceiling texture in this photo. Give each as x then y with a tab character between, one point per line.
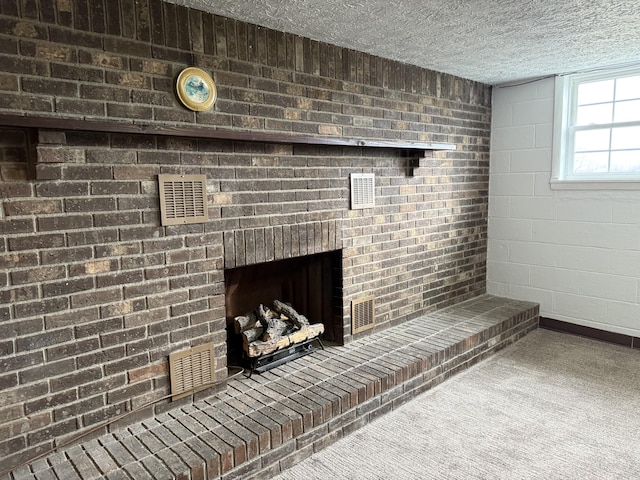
490	41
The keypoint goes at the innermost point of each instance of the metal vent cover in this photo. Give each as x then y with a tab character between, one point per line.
363	314
362	190
191	370
183	199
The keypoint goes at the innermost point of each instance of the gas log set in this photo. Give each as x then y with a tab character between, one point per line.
274	335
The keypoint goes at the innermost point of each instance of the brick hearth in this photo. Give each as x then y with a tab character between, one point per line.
269	422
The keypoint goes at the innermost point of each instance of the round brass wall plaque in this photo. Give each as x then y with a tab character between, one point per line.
196	89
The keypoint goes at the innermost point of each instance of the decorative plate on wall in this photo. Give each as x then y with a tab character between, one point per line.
196	89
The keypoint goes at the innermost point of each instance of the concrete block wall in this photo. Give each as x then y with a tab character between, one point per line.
577	253
95	293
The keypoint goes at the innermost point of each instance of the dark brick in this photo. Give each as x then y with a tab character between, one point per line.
48	172
19	260
119	249
67	287
11	446
129	111
47	370
93	237
136	233
114	188
116	219
100	356
9	7
52	432
8	82
78	407
32	207
50	87
128	79
50	401
89	204
83	300
128	363
146	317
56	154
72	349
45	339
41	307
121	337
14	190
81	20
62	190
18	294
63	255
168	326
20	362
8	381
100	92
80	107
129	391
6	347
67	222
31	242
73	317
75	379
123	308
92	172
14	226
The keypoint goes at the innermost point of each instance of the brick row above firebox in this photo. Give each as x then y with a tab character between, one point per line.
264	424
265	244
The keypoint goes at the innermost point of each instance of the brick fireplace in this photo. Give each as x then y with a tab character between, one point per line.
96	293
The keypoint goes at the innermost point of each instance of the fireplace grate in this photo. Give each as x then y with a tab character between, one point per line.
363	314
183	199
191	369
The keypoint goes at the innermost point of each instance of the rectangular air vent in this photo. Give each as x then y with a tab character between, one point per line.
191	369
363	314
362	190
183	199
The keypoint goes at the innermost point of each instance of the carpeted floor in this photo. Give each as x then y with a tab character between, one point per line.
551	406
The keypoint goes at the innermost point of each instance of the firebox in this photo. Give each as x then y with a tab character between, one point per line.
311	285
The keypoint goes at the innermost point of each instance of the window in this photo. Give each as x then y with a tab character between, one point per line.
597	130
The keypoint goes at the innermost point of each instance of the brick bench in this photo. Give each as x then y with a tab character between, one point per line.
262	425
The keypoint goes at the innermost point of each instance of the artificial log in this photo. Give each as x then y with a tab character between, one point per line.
298	320
245	322
252	334
275	327
266	330
258	348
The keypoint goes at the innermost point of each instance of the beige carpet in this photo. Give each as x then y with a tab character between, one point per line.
551	406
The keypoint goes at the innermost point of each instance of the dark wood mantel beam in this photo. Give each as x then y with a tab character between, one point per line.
208	132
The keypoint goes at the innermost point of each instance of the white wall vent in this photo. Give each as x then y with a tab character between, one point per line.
183	199
363	187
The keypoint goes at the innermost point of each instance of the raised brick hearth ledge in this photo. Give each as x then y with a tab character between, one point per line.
269	422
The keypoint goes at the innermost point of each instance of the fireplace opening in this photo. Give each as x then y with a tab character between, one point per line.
311	284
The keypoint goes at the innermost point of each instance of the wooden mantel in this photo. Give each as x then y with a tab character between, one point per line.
208	132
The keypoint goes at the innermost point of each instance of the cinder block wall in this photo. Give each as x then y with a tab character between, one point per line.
95	293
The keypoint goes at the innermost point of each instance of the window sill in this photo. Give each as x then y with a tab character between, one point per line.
593	184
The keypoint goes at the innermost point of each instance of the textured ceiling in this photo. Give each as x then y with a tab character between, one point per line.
491	41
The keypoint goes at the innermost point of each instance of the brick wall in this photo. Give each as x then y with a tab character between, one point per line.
95	293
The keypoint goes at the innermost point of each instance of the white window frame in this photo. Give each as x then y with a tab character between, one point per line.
566	90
